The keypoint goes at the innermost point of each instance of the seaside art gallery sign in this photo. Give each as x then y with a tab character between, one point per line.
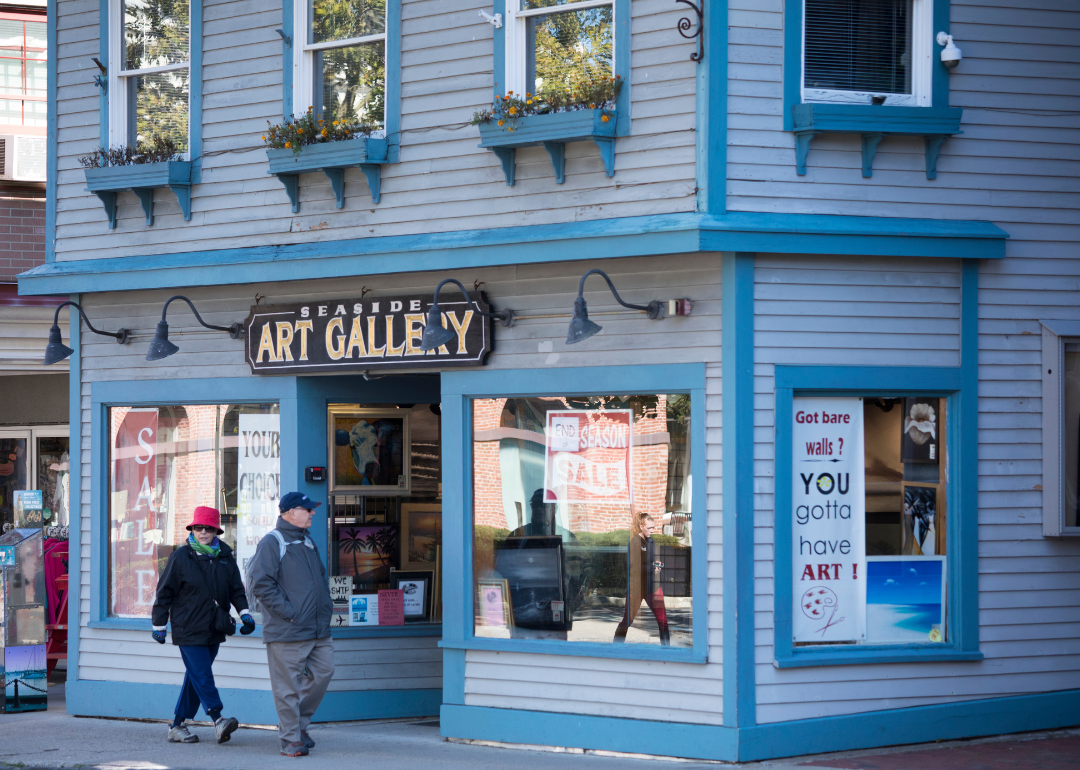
359	334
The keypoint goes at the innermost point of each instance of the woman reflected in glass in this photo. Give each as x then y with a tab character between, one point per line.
644	579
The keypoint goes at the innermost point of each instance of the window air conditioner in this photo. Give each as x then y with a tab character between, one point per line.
22	158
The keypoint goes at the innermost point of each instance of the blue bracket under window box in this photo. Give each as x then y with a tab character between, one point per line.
874	122
142	179
332	158
553	131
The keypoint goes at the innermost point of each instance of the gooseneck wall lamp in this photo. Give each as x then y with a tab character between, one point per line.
56	350
160	347
435	334
581	328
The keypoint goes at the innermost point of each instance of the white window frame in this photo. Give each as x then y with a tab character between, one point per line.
922	70
1054	336
118	77
304	57
516	42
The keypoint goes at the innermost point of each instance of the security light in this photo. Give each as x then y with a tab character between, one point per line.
160	347
581	328
435	334
56	350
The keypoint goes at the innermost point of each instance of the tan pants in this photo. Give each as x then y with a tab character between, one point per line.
299	675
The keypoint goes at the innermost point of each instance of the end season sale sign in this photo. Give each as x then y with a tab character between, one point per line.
587	458
828	521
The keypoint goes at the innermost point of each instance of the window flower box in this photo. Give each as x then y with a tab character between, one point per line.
553	131
332	158
142	179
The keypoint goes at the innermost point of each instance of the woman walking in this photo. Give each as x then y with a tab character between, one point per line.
199	583
644	581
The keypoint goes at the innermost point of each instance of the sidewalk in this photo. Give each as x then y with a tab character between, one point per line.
52	739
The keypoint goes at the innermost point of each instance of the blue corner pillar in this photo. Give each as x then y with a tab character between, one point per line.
737	403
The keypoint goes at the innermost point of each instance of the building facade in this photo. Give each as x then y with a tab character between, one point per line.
875	250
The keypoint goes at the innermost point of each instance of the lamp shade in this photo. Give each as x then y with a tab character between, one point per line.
160	347
56	350
435	334
581	328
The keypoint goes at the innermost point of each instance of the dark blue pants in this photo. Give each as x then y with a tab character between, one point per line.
199	684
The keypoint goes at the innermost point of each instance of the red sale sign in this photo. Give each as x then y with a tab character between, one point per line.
588	456
134	514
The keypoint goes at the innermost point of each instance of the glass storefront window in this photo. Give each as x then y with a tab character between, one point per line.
869	520
386	511
582	519
14	458
53	478
166	461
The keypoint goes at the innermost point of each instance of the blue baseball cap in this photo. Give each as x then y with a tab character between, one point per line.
297	500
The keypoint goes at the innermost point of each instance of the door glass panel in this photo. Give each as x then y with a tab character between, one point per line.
52	478
13	474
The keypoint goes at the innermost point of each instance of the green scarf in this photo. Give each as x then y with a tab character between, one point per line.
206	550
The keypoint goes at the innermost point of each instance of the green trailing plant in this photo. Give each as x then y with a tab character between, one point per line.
589	95
159	149
296	133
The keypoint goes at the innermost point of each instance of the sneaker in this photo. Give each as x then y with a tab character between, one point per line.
293	749
182	735
224	727
306	739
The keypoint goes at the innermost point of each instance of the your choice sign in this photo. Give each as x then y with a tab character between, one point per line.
829	521
359	334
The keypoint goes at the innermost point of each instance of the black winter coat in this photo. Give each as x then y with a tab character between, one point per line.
182	594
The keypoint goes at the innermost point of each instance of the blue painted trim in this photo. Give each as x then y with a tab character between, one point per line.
737	378
965	542
601	239
962	496
951	721
51	132
712	111
75	472
622	60
458	388
103	56
155	701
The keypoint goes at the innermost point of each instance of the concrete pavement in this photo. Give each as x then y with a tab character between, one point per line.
53	739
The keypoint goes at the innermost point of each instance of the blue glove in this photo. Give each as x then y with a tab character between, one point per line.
159	636
249	624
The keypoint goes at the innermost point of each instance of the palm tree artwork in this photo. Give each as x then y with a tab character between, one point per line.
365	549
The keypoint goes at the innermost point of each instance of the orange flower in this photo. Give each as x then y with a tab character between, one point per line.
288	144
604	118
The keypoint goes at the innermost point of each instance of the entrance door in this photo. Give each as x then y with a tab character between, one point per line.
35	458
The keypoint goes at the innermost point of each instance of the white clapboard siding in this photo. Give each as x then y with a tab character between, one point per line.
444	182
528	289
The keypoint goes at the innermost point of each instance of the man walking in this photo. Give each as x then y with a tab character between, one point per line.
288	580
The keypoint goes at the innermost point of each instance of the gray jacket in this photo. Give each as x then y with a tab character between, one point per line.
293	590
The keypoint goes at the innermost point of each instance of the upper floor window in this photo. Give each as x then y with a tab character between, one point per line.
149	72
23	55
555	47
868	51
340	65
1061	428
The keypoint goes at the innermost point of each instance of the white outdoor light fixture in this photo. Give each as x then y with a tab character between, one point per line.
950	54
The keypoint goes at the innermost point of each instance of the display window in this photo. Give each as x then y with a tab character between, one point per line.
582	520
35	459
869	518
164	461
385	532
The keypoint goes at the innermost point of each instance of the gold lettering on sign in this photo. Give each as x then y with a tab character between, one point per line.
372	350
284	341
302	328
461	329
391	348
414	330
266	345
335	348
356	340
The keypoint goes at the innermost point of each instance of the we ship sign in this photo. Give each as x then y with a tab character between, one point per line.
828	521
588	456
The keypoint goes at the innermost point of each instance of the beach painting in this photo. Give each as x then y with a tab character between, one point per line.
905	599
367	553
25	678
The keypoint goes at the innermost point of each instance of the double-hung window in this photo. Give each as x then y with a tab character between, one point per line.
23	55
868	51
559	46
149	72
339	66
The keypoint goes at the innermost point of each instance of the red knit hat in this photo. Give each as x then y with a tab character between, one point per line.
209	517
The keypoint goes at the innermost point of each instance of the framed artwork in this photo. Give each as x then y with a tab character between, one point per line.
905	599
369	450
367	553
493	613
533	567
920	520
417	587
364	610
921	430
421	535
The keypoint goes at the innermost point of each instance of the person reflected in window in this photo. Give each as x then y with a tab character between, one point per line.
644	580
